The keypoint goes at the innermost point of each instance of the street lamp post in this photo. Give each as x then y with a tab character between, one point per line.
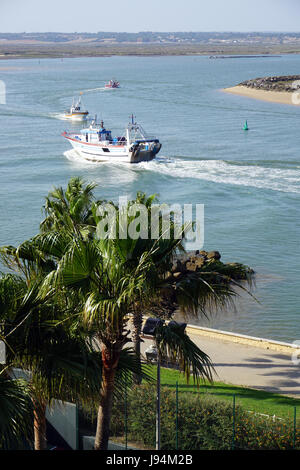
149	332
153	353
157	446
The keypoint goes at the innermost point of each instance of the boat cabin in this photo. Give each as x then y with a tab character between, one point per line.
95	135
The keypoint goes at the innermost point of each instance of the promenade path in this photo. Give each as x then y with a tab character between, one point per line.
256	365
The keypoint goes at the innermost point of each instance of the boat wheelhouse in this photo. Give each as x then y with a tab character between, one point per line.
95	143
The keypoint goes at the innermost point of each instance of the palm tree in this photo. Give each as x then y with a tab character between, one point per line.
110	288
114	280
196	292
58	364
108	291
15	412
55	349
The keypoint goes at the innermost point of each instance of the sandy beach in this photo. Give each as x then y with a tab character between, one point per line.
272	96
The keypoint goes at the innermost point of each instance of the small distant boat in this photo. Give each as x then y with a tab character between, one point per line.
112	84
96	144
76	112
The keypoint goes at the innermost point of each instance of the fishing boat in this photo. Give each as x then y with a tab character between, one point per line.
76	112
95	143
112	84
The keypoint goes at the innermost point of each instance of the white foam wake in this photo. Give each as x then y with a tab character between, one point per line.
89	90
61	116
111	172
219	171
216	171
75	157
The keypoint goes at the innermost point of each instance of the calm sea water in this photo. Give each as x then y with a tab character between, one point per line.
248	181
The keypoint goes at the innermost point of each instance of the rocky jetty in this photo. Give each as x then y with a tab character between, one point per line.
186	266
196	261
286	83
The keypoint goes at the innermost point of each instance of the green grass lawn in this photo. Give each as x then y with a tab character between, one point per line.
250	399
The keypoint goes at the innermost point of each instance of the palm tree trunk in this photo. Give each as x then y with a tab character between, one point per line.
39	422
110	359
136	339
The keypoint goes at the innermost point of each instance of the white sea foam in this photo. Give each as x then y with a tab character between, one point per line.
61	117
217	171
75	157
89	90
120	171
220	171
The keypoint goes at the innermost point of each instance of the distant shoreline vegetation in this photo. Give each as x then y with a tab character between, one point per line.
35	50
105	44
158	37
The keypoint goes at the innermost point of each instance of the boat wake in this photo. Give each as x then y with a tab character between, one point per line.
111	172
60	117
25	113
223	172
216	171
75	157
90	90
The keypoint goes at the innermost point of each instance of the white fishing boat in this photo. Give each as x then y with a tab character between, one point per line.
95	143
76	112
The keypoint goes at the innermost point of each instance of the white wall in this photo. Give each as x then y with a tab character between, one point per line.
63	417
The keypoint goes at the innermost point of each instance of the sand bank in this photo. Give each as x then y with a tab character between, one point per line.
272	96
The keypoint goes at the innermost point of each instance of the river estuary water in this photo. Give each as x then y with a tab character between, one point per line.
249	181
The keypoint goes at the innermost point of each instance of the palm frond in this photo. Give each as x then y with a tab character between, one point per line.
15	413
174	343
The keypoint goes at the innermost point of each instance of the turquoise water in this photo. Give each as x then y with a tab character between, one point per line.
248	181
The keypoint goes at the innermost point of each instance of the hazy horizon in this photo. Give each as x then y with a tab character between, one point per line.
133	16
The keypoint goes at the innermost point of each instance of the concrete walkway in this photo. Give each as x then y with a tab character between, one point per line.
249	365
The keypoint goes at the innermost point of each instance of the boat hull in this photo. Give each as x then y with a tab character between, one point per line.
115	154
76	117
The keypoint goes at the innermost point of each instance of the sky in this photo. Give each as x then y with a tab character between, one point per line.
149	15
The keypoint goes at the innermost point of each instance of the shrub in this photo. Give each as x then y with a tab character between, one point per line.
204	422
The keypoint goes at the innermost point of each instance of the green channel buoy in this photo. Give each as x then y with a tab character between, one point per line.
246	128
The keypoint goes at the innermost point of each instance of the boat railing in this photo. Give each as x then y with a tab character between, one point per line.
143	137
115	141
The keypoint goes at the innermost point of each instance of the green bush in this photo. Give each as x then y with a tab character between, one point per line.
203	423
